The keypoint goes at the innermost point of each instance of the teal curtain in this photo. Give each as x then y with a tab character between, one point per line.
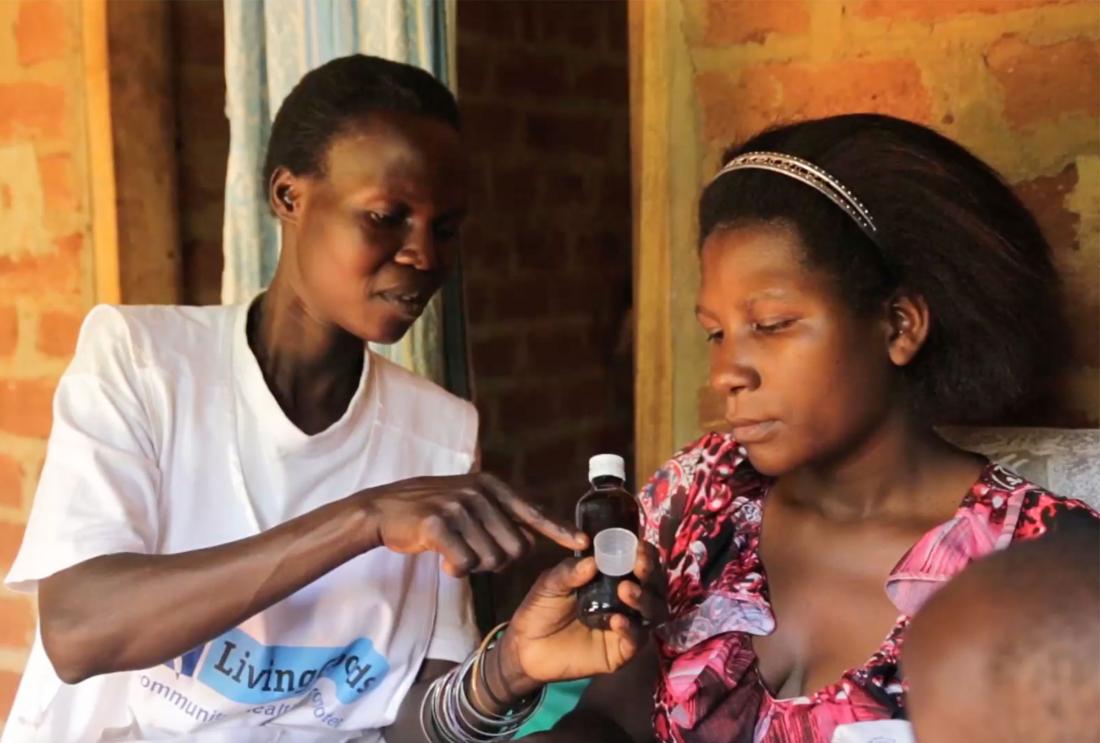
269	45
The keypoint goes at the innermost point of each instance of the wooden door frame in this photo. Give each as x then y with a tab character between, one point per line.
667	166
97	97
650	180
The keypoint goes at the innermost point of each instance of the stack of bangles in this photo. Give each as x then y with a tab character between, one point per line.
454	709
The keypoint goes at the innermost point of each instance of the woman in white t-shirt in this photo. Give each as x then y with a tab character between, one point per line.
249	529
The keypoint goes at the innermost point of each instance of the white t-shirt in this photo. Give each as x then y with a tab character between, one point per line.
166	439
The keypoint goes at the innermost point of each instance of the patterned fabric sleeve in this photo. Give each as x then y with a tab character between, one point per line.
1043	513
662	500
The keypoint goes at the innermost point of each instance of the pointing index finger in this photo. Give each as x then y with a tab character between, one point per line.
530	517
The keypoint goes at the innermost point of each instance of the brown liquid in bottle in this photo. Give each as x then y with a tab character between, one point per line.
608	505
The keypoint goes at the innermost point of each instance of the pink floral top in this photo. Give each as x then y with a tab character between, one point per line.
703	512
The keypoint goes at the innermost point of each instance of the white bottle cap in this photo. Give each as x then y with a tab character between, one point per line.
606	465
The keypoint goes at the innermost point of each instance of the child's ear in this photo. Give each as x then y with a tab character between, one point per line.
908	322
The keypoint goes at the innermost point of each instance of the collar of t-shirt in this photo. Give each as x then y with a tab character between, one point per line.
284	470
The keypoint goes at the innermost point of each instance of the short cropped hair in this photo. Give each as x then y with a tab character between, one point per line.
330	99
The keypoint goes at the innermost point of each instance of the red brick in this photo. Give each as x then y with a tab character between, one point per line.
1038	85
616	435
486	412
25	407
616	27
1046	198
526	409
474	69
737	105
495	357
35	110
603	83
57	272
563	189
577	293
542	248
752	21
490	125
58	177
938	10
585	398
556	350
515	188
531	74
576	24
490	18
606	250
479	297
512	422
615	194
477	231
9	682
16	621
41	31
9	330
584	134
550	462
11	482
490	255
478	193
500	463
521	299
58	331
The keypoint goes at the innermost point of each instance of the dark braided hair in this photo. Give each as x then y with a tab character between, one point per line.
949	230
339	94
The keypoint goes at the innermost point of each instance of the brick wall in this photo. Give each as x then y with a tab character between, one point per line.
547	259
1016	81
45	265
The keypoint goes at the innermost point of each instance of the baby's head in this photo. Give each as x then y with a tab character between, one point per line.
1010	649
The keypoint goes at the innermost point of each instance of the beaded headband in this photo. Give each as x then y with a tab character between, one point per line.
811	175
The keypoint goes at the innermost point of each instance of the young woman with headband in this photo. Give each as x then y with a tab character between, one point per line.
863	279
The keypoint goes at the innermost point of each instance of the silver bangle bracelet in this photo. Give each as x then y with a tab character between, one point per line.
448	715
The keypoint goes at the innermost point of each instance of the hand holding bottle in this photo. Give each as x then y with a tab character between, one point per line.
546	640
608	516
589	615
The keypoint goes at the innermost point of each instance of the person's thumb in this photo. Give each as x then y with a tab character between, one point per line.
567	576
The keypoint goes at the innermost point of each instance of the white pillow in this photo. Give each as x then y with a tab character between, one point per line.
1065	461
874	731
